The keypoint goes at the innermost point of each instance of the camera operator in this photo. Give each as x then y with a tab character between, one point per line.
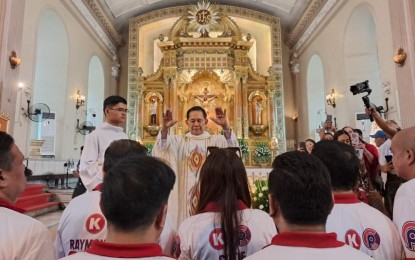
390	127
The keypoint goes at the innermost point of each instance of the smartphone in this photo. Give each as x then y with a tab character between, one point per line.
388	158
302	145
355	138
359	153
329	117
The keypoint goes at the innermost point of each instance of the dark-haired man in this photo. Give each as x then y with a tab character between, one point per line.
82	221
403	148
300	200
134	202
187	153
115	111
355	223
21	237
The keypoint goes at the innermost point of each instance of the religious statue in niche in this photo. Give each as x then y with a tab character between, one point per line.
153	110
258	110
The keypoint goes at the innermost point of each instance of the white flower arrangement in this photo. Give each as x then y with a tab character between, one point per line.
262	152
259	195
244	146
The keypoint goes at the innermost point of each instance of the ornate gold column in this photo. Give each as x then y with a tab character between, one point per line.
295	70
135	91
245	112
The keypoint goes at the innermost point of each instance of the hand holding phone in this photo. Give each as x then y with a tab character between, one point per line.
355	139
388	158
302	146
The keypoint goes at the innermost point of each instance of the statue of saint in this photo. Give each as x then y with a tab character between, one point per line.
153	110
258	112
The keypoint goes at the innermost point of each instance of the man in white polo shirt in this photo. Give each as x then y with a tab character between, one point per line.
300	200
355	223
134	199
21	237
83	220
403	148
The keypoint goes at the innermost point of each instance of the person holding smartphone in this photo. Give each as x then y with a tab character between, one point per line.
328	129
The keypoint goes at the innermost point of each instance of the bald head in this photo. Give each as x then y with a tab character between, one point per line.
403	149
405	139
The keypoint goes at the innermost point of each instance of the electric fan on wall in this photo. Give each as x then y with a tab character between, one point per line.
37	112
85	127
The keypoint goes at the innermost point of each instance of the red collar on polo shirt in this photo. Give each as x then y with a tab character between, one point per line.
303	239
348	198
6	204
124	250
213	206
98	187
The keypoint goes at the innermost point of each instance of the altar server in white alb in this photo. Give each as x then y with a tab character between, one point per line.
92	159
224	227
355	222
187	153
21	237
403	148
134	202
300	200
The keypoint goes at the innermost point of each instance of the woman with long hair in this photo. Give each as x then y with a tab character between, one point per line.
224	226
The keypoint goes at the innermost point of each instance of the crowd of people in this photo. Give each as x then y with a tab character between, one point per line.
190	201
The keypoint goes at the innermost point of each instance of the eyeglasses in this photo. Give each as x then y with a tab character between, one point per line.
211	149
119	110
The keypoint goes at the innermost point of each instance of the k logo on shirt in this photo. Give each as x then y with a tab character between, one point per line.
95	223
352	238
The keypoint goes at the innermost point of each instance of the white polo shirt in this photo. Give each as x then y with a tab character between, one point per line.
22	237
201	237
364	228
82	222
101	250
297	245
404	216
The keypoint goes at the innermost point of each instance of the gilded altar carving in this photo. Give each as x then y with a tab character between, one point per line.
205	62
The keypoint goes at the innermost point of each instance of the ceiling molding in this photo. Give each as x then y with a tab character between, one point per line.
314	14
97	18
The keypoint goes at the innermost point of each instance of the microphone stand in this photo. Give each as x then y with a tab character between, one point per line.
67	176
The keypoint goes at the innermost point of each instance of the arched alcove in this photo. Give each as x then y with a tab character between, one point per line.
315	95
361	61
51	77
95	96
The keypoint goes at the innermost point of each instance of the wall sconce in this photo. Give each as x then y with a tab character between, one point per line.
331	98
295	117
80	99
400	58
14	61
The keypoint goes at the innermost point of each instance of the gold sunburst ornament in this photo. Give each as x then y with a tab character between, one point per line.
203	17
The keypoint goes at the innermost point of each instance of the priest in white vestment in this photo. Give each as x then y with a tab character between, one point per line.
187	153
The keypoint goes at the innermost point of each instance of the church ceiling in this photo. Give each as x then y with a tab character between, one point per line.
289	11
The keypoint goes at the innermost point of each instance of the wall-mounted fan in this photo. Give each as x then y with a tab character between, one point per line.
85	127
37	112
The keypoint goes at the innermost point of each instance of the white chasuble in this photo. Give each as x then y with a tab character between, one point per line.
186	155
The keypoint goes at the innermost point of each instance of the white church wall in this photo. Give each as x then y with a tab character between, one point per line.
330	42
83	44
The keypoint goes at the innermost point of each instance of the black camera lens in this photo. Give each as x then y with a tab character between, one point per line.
360	87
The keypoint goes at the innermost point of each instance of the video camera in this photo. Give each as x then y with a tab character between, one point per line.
363	87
